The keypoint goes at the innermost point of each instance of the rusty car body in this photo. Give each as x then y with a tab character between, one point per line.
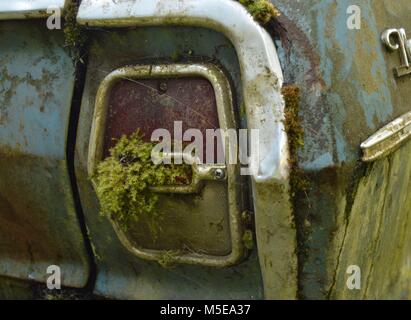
341	198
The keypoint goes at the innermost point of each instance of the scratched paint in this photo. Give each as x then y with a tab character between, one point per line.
38	222
348	91
33	124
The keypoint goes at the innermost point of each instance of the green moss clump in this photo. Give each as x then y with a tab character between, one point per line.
123	181
248	239
295	133
74	37
291	94
261	10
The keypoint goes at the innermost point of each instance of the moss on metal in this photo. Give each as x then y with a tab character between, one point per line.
167	259
295	134
123	182
261	10
74	37
248	239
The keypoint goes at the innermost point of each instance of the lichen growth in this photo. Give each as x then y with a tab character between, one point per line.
167	259
74	37
123	181
295	134
261	10
248	239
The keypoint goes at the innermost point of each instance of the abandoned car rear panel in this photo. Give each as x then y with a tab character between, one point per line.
318	209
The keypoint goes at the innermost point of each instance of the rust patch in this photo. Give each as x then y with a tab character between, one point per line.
290	35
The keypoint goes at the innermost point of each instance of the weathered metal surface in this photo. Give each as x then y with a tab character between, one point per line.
14	289
262	79
348	92
38	222
378	237
120	274
202	224
348	215
27	9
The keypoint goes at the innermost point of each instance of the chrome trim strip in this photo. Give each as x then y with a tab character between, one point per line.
262	80
387	139
27	9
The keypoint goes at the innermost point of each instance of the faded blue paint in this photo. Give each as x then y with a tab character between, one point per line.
323	42
344	38
323	161
32	118
38	222
348	92
336	41
340	116
377	105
